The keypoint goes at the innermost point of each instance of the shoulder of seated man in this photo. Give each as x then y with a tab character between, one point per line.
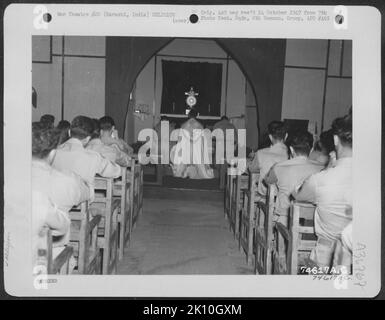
66	174
283	163
260	153
93	154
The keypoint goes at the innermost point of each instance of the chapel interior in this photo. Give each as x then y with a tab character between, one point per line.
184	225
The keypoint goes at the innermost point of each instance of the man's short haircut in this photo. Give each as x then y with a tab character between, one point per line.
277	130
81	127
63	125
342	127
44	140
193	113
326	140
37	125
301	141
48	120
224	118
96	130
106	123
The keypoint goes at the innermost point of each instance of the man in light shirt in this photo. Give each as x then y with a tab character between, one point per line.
48	121
110	152
265	158
288	174
323	150
342	260
331	191
46	215
72	155
64	189
109	135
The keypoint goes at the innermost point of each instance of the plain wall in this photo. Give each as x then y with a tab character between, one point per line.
69	81
318	80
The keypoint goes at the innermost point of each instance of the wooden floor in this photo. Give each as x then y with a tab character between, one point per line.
182	232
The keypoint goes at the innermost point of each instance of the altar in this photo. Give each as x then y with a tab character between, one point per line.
179	172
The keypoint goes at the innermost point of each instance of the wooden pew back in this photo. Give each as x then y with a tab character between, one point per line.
263	235
246	228
59	264
137	192
122	190
83	238
239	187
303	238
294	243
107	206
45	260
228	191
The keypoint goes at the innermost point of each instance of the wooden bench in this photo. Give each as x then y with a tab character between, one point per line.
59	264
228	195
222	173
263	231
123	190
239	186
228	190
247	213
137	192
294	243
83	239
108	207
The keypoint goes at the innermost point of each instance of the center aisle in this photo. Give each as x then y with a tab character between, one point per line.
182	232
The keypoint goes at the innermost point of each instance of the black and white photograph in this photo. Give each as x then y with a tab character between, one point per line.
193	155
293	103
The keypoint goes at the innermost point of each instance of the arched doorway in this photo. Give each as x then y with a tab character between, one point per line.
261	61
234	90
214	74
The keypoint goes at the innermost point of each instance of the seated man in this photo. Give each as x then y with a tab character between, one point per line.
323	151
331	191
342	260
46	215
288	174
265	158
47	120
64	189
64	127
109	135
72	156
111	152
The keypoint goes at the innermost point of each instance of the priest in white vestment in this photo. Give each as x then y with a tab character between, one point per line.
190	157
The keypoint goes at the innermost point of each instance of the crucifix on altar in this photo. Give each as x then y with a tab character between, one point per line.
191	99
